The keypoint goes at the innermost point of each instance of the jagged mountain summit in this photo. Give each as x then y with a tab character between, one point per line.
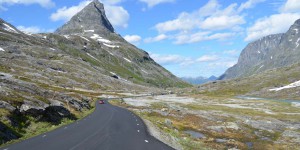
91	19
273	51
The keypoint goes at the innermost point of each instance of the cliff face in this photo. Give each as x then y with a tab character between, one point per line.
269	52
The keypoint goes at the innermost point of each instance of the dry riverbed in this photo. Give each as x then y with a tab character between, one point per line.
193	122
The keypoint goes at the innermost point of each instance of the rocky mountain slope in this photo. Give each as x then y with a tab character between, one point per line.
50	77
279	83
269	52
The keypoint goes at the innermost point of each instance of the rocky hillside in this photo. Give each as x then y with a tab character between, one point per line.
51	77
269	52
279	83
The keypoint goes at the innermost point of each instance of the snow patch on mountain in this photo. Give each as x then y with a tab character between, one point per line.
100	39
111	46
292	85
9	28
85	38
92	56
89	30
127	60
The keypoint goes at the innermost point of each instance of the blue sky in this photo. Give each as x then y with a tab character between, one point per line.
188	37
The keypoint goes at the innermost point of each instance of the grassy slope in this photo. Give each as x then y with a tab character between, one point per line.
257	85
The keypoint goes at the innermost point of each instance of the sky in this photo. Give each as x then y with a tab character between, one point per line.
190	38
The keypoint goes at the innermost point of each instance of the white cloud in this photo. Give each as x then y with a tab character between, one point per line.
187	38
211	7
223	64
66	13
33	29
289	12
156	39
207	58
278	23
152	3
117	15
210	22
222	22
291	6
111	2
43	3
232	52
185	21
172	59
208	17
132	38
249	4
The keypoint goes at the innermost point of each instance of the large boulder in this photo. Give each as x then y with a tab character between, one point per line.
31	108
27	105
56	103
55	114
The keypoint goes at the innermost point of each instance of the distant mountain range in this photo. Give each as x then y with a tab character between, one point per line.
198	80
273	51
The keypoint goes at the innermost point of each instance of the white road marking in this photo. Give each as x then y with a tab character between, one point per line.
138	124
136	120
65	127
146	141
44	136
138	130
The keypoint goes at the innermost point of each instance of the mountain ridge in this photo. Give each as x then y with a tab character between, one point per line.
269	52
198	80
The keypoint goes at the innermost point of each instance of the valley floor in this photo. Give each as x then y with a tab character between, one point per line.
202	122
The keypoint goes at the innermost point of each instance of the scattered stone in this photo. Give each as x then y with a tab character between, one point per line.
221	140
164	109
168	122
195	134
216	128
7	106
55	103
292	134
232	125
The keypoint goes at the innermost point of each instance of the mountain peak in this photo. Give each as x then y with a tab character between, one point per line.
297	22
91	19
8	27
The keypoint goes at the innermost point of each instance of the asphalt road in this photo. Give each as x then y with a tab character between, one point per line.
108	128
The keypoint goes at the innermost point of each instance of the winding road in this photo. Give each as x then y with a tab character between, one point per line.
107	128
